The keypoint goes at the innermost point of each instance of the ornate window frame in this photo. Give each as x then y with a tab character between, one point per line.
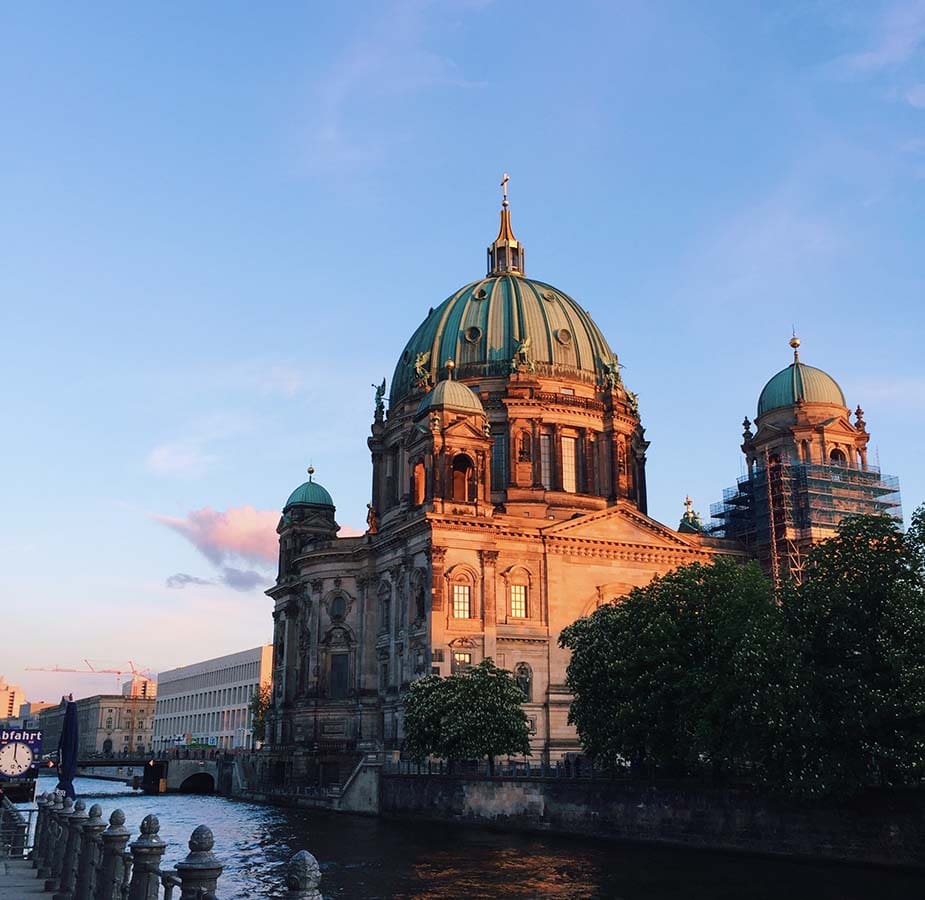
520	575
463	574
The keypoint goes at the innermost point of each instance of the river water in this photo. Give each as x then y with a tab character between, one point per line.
363	858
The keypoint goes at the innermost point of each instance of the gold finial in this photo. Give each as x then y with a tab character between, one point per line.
505	178
450	365
795	343
311	471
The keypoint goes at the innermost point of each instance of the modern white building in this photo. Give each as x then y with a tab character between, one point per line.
207	703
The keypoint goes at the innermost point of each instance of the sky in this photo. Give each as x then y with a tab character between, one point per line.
220	223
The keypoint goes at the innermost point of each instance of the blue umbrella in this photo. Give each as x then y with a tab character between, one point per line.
67	750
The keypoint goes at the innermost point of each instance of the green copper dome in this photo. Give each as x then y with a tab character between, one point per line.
799	382
451	395
311	493
483	325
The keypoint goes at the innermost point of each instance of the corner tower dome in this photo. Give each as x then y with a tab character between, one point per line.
799	383
488	322
309	494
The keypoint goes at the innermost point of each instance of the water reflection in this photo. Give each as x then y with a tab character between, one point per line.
364	858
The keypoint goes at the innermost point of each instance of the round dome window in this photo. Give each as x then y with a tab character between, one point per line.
480	294
473	334
564	336
549	295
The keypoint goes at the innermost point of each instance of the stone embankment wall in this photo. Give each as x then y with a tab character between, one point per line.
886	829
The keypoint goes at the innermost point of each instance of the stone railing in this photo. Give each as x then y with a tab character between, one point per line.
80	857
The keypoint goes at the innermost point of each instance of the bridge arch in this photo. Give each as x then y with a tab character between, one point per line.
198	783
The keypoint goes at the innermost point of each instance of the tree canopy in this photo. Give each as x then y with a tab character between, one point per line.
259	706
817	691
472	714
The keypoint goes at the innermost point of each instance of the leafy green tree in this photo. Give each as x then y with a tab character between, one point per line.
259	706
473	714
853	691
668	678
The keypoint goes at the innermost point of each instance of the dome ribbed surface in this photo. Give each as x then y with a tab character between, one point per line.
310	493
451	395
799	382
480	326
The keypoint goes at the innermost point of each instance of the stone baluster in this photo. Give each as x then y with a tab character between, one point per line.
43	805
200	870
90	846
49	832
303	877
58	845
112	867
146	861
68	877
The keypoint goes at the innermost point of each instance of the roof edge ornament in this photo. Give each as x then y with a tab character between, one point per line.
505	253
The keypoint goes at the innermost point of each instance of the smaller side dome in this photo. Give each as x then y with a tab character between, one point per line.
309	494
799	382
451	395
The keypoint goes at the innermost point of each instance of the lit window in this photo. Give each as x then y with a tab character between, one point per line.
546	460
461	660
518	601
569	447
461	602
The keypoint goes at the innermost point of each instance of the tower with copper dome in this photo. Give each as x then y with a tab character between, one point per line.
807	469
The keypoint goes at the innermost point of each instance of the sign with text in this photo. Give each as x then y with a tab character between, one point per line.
20	751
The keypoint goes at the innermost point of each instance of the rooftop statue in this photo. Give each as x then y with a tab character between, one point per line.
421	374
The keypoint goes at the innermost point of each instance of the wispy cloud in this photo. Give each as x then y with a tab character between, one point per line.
897	34
242	533
181	580
237	579
193	454
389	61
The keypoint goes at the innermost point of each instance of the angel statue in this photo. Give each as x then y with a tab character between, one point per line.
632	401
521	358
380	401
421	373
612	377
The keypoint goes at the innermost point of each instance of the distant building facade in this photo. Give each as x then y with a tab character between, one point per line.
107	723
208	703
12	697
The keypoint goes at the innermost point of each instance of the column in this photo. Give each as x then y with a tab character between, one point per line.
489	601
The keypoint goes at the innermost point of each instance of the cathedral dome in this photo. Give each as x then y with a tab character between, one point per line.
483	325
309	494
453	396
486	324
799	382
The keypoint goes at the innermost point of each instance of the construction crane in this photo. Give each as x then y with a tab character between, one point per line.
92	670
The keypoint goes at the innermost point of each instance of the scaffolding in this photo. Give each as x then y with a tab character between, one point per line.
781	508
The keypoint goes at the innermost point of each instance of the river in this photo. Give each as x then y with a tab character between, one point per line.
363	858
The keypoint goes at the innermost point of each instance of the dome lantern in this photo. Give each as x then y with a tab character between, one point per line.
506	253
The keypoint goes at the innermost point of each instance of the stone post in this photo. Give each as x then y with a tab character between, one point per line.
90	846
68	877
112	867
58	844
146	861
199	872
49	832
43	803
303	877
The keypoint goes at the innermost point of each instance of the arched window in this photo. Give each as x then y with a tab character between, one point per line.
419	484
804	449
385	603
463	478
838	458
338	608
461	583
523	675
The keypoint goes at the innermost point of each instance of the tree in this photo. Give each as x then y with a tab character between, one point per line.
668	677
854	687
469	715
259	706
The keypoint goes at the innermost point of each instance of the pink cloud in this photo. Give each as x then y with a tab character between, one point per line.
237	533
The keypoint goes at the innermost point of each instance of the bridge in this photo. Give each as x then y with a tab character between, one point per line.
159	776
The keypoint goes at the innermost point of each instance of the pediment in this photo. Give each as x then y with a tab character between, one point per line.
463	428
623	524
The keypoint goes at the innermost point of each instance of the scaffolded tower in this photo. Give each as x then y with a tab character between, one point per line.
807	470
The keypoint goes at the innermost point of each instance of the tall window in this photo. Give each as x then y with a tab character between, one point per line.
461	660
339	676
518	601
546	460
569	450
499	461
463	480
462	604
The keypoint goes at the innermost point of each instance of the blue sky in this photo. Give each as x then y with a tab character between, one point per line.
221	222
